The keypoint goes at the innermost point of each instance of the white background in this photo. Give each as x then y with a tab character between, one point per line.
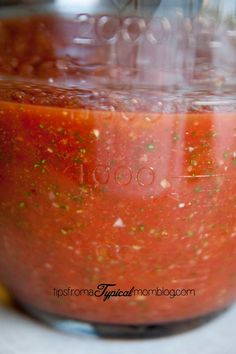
20	334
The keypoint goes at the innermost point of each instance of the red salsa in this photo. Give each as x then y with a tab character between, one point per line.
92	195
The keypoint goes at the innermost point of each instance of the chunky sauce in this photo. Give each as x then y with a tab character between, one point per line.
91	196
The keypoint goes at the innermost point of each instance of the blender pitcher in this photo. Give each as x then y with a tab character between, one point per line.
118	162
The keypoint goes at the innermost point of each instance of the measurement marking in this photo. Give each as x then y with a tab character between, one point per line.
203	176
86	41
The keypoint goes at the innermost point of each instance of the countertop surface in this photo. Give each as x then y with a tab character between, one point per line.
20	334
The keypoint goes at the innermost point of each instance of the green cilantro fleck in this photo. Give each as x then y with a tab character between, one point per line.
225	155
151	147
64	207
176	137
193	162
104	189
82	151
78	160
21	205
78	198
194	274
190	233
205	144
211	134
41	164
198	189
113	162
100	259
65	231
141	227
78	136
158	269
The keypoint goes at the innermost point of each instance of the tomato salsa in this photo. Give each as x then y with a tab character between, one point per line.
93	193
